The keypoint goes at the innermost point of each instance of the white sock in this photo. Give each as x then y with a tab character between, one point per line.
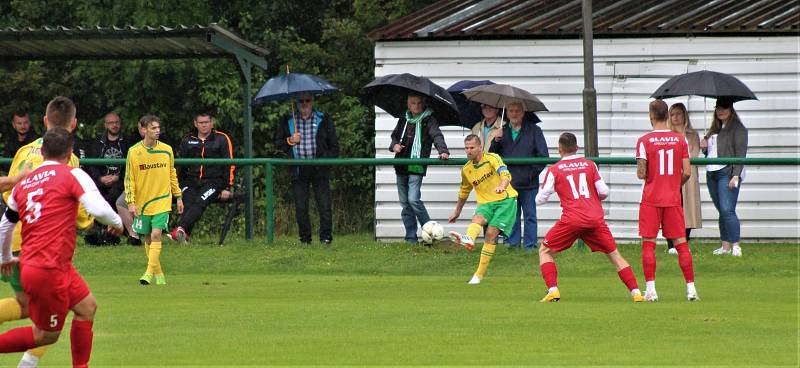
651	285
28	361
552	289
690	288
635	292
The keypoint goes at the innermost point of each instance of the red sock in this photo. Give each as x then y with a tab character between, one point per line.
549	274
649	260
17	340
627	277
685	261
81	342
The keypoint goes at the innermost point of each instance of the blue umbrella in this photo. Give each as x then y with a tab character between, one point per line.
470	111
286	86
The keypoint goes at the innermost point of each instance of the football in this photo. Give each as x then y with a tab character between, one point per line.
431	232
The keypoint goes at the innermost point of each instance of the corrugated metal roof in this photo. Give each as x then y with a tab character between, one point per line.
121	43
471	19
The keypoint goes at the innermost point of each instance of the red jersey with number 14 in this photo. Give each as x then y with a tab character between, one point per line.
47	201
664	151
574	181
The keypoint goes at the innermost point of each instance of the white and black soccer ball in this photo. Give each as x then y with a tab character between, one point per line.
432	231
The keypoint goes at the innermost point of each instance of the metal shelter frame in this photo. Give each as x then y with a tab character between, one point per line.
136	43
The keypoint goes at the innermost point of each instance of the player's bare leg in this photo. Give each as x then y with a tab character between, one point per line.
81	334
547	265
685	262
625	274
649	268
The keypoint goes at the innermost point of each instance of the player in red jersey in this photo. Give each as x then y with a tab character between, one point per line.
47	202
580	189
662	161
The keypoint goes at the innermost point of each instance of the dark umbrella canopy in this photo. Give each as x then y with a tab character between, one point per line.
285	86
707	84
470	111
390	93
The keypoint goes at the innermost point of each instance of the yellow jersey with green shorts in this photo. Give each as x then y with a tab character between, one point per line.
499	209
150	183
31	155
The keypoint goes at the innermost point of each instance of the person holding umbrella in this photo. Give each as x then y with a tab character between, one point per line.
413	137
727	137
307	134
490	126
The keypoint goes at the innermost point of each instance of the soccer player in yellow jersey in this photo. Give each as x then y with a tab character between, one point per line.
497	202
60	113
150	183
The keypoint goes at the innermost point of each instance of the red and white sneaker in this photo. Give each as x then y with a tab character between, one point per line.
464	240
179	235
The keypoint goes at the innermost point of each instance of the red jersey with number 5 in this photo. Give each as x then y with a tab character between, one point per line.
47	201
664	151
575	180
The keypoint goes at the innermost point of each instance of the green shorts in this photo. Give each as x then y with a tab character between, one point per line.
143	224
14	279
500	214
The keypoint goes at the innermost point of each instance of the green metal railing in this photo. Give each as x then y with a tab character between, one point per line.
270	163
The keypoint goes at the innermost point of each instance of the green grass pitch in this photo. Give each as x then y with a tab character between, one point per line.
365	303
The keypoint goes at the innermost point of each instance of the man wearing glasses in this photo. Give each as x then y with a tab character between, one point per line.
307	134
202	184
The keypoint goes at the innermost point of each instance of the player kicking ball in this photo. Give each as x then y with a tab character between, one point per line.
580	189
47	203
662	161
497	202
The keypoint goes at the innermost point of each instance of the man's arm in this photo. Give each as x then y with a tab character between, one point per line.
463	193
547	189
131	171
93	201
539	149
7	224
641	168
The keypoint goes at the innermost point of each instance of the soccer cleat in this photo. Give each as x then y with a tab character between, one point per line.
180	235
736	251
160	279
672	251
475	280
638	298
464	240
692	296
651	296
146	279
551	297
721	251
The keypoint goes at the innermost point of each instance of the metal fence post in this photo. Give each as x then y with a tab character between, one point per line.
268	202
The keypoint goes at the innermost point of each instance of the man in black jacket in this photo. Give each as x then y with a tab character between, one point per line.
309	134
202	184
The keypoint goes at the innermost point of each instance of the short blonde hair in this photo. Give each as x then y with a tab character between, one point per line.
516	103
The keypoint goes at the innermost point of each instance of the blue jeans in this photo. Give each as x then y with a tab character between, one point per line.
409	188
725	202
526	205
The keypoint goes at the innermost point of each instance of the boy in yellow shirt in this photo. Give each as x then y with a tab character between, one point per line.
150	183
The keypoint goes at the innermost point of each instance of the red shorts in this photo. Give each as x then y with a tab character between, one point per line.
669	219
597	236
51	294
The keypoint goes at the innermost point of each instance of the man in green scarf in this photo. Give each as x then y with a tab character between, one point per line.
413	137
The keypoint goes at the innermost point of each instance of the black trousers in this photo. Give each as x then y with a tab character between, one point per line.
196	198
306	179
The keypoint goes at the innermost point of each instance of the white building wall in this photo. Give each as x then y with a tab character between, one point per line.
627	71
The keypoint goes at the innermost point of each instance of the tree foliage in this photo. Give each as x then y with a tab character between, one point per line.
322	37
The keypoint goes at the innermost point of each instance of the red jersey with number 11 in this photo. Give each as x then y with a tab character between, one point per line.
574	180
664	151
47	201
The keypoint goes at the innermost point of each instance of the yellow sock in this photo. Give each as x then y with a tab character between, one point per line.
39	350
474	230
153	262
10	310
486	256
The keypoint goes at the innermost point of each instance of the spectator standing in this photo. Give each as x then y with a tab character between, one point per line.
488	128
203	184
522	138
307	134
22	135
110	144
690	192
413	137
727	137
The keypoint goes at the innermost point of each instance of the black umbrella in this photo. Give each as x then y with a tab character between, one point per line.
470	110
390	93
707	84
